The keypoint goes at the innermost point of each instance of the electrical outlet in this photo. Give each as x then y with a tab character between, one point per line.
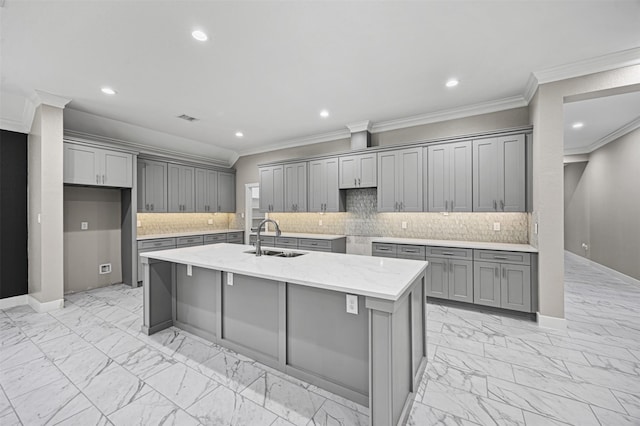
242	215
404	225
105	268
84	225
320	222
229	278
496	226
189	271
210	221
38	217
535	228
138	224
352	304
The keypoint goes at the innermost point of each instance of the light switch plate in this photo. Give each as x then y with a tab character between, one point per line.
352	304
189	270
84	225
229	278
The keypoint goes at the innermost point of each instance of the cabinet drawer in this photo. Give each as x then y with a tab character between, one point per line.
234	236
286	242
406	251
449	252
314	244
266	241
215	238
384	250
162	243
235	241
502	256
194	240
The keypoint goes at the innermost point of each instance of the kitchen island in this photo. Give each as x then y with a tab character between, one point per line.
353	325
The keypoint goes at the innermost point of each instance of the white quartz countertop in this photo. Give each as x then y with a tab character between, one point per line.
186	234
362	275
459	244
299	235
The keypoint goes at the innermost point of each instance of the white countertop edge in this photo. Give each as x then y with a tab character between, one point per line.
186	234
301	235
481	245
166	256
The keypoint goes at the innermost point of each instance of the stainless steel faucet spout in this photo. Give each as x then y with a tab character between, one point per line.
259	240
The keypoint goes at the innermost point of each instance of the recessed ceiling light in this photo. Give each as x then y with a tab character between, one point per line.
199	35
239	134
324	113
108	91
452	83
577	125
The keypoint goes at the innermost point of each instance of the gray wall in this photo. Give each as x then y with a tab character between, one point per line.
247	166
85	250
602	205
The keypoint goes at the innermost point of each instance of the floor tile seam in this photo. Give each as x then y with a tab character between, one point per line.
628	375
327	398
11	404
624	407
526	353
446	412
476	371
589	350
607	358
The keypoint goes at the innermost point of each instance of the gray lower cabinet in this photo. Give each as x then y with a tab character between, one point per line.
295	187
450	273
271	188
335	245
324	190
504	279
400	180
152	186
448	177
499	174
181	189
153	245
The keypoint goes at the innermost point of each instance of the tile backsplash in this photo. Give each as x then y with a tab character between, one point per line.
362	220
167	223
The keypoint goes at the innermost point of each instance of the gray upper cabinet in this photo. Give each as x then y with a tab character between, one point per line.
324	191
449	177
358	171
271	188
152	186
88	165
295	187
206	190
181	189
226	192
499	172
400	180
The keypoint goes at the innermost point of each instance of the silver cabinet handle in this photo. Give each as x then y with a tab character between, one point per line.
103	179
146	207
500	257
497	272
495	205
396	207
447	253
452	205
355	182
446	206
358	181
97	178
401	205
502	205
152	206
219	207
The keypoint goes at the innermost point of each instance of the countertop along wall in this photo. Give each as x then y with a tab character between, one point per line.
171	223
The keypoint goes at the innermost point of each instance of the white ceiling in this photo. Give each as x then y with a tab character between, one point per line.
604	119
269	67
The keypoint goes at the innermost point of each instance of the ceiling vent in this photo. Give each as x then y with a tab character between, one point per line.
187	117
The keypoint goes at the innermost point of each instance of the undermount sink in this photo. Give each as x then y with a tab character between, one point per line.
277	253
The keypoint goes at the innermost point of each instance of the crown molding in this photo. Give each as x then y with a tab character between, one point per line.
450	114
292	143
616	134
610	61
575	158
234	157
360	126
50	99
530	89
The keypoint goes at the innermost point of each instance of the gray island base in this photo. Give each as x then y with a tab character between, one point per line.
290	313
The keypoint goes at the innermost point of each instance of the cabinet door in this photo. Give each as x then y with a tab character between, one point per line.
486	283
461	280
202	190
387	176
437	278
173	189
317	188
117	169
368	168
141	180
81	165
332	187
409	180
437	178
460	177
511	177
485	175
278	189
295	187
348	173
516	287
188	193
266	188
213	191
226	192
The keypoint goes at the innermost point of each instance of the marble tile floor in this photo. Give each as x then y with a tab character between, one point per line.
88	364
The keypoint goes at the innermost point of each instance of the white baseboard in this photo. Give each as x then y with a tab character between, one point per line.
551	322
10	302
617	274
46	306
